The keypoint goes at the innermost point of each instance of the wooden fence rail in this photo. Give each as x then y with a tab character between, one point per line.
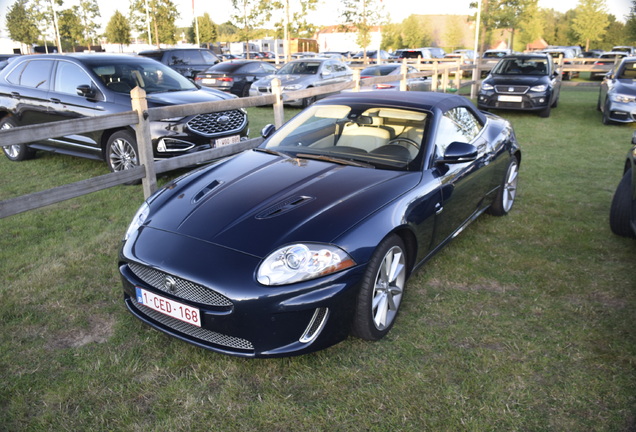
442	73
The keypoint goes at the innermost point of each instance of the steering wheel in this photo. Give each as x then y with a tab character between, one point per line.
409	141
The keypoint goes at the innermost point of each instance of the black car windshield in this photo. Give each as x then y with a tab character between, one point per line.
153	77
521	66
300	68
381	70
381	137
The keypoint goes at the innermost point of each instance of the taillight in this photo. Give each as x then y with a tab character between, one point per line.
226	79
384	86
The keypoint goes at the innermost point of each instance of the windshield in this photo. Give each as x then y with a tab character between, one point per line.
151	76
300	68
521	66
627	71
380	137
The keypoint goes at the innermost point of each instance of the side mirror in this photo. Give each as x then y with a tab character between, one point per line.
86	90
268	130
459	152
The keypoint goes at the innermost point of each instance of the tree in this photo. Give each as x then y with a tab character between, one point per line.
591	21
71	29
118	30
20	24
630	23
299	27
503	14
531	27
228	32
362	15
392	37
162	14
250	14
454	35
89	15
207	30
415	32
615	34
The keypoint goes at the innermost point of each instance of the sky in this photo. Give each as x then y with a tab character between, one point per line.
221	10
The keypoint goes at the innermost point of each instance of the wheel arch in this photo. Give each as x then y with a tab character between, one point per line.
108	133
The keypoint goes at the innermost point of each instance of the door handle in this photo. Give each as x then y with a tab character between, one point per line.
55	100
15	95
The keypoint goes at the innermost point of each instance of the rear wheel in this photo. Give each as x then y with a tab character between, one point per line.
507	191
16	152
381	290
622	207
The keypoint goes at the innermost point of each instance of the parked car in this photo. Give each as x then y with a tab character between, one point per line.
566	56
527	82
372	56
37	89
607	59
496	54
393	69
187	61
290	247
467	54
436	52
302	74
628	50
617	94
413	54
235	77
623	210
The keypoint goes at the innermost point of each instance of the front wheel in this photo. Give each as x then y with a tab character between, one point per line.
622	208
381	290
545	112
121	151
507	191
15	152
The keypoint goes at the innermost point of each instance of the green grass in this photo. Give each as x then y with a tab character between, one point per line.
523	323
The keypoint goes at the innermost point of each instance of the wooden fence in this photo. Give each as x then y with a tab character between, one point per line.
444	75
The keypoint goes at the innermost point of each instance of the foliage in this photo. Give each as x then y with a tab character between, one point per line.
615	34
89	16
590	21
71	29
249	15
20	23
228	32
361	15
530	27
454	35
118	29
207	30
163	15
392	37
298	27
630	23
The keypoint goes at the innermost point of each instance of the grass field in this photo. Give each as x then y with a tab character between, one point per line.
523	323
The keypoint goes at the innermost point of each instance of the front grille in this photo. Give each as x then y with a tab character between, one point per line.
218	123
194	331
183	289
504	89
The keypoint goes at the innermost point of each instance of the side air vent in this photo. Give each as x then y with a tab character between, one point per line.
284	207
206	190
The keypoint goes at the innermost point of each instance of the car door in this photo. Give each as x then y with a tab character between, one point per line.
463	185
66	102
31	80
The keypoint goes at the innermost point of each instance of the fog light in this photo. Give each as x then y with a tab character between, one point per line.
541	100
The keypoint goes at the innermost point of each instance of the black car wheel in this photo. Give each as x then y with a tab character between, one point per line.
121	151
507	191
545	112
622	207
16	152
381	290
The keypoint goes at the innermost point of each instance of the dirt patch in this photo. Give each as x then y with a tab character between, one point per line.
98	330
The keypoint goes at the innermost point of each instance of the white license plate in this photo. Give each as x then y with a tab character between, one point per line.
227	141
169	307
504	98
208	81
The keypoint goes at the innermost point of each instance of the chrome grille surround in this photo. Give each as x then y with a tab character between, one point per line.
194	331
511	89
218	123
184	289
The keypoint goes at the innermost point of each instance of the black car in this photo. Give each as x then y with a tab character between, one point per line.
38	89
526	82
235	76
623	210
288	248
187	61
617	94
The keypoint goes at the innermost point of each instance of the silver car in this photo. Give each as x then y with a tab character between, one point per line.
393	69
302	74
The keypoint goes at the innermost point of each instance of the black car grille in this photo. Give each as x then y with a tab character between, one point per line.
508	89
194	331
218	123
182	288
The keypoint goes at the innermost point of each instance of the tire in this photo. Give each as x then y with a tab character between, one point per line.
245	91
545	113
622	207
16	152
308	101
606	120
121	151
555	103
381	290
503	202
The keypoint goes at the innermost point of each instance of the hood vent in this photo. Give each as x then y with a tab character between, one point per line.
206	190
284	207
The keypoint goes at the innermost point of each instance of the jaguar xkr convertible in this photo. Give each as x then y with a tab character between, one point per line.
292	246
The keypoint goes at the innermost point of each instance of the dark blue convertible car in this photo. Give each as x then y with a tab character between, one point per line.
288	248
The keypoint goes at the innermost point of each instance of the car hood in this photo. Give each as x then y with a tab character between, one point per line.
516	80
625	86
256	202
185	97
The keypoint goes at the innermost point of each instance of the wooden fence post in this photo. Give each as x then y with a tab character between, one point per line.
144	141
356	80
435	77
279	111
403	79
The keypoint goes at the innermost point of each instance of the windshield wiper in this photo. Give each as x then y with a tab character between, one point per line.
335	160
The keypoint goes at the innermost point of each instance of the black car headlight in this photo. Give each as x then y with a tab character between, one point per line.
300	262
539	88
138	220
486	87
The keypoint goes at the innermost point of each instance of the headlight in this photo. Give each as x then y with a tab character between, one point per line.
539	88
293	87
623	98
300	262
138	220
486	86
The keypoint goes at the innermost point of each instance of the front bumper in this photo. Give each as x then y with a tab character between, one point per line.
621	112
530	101
238	315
